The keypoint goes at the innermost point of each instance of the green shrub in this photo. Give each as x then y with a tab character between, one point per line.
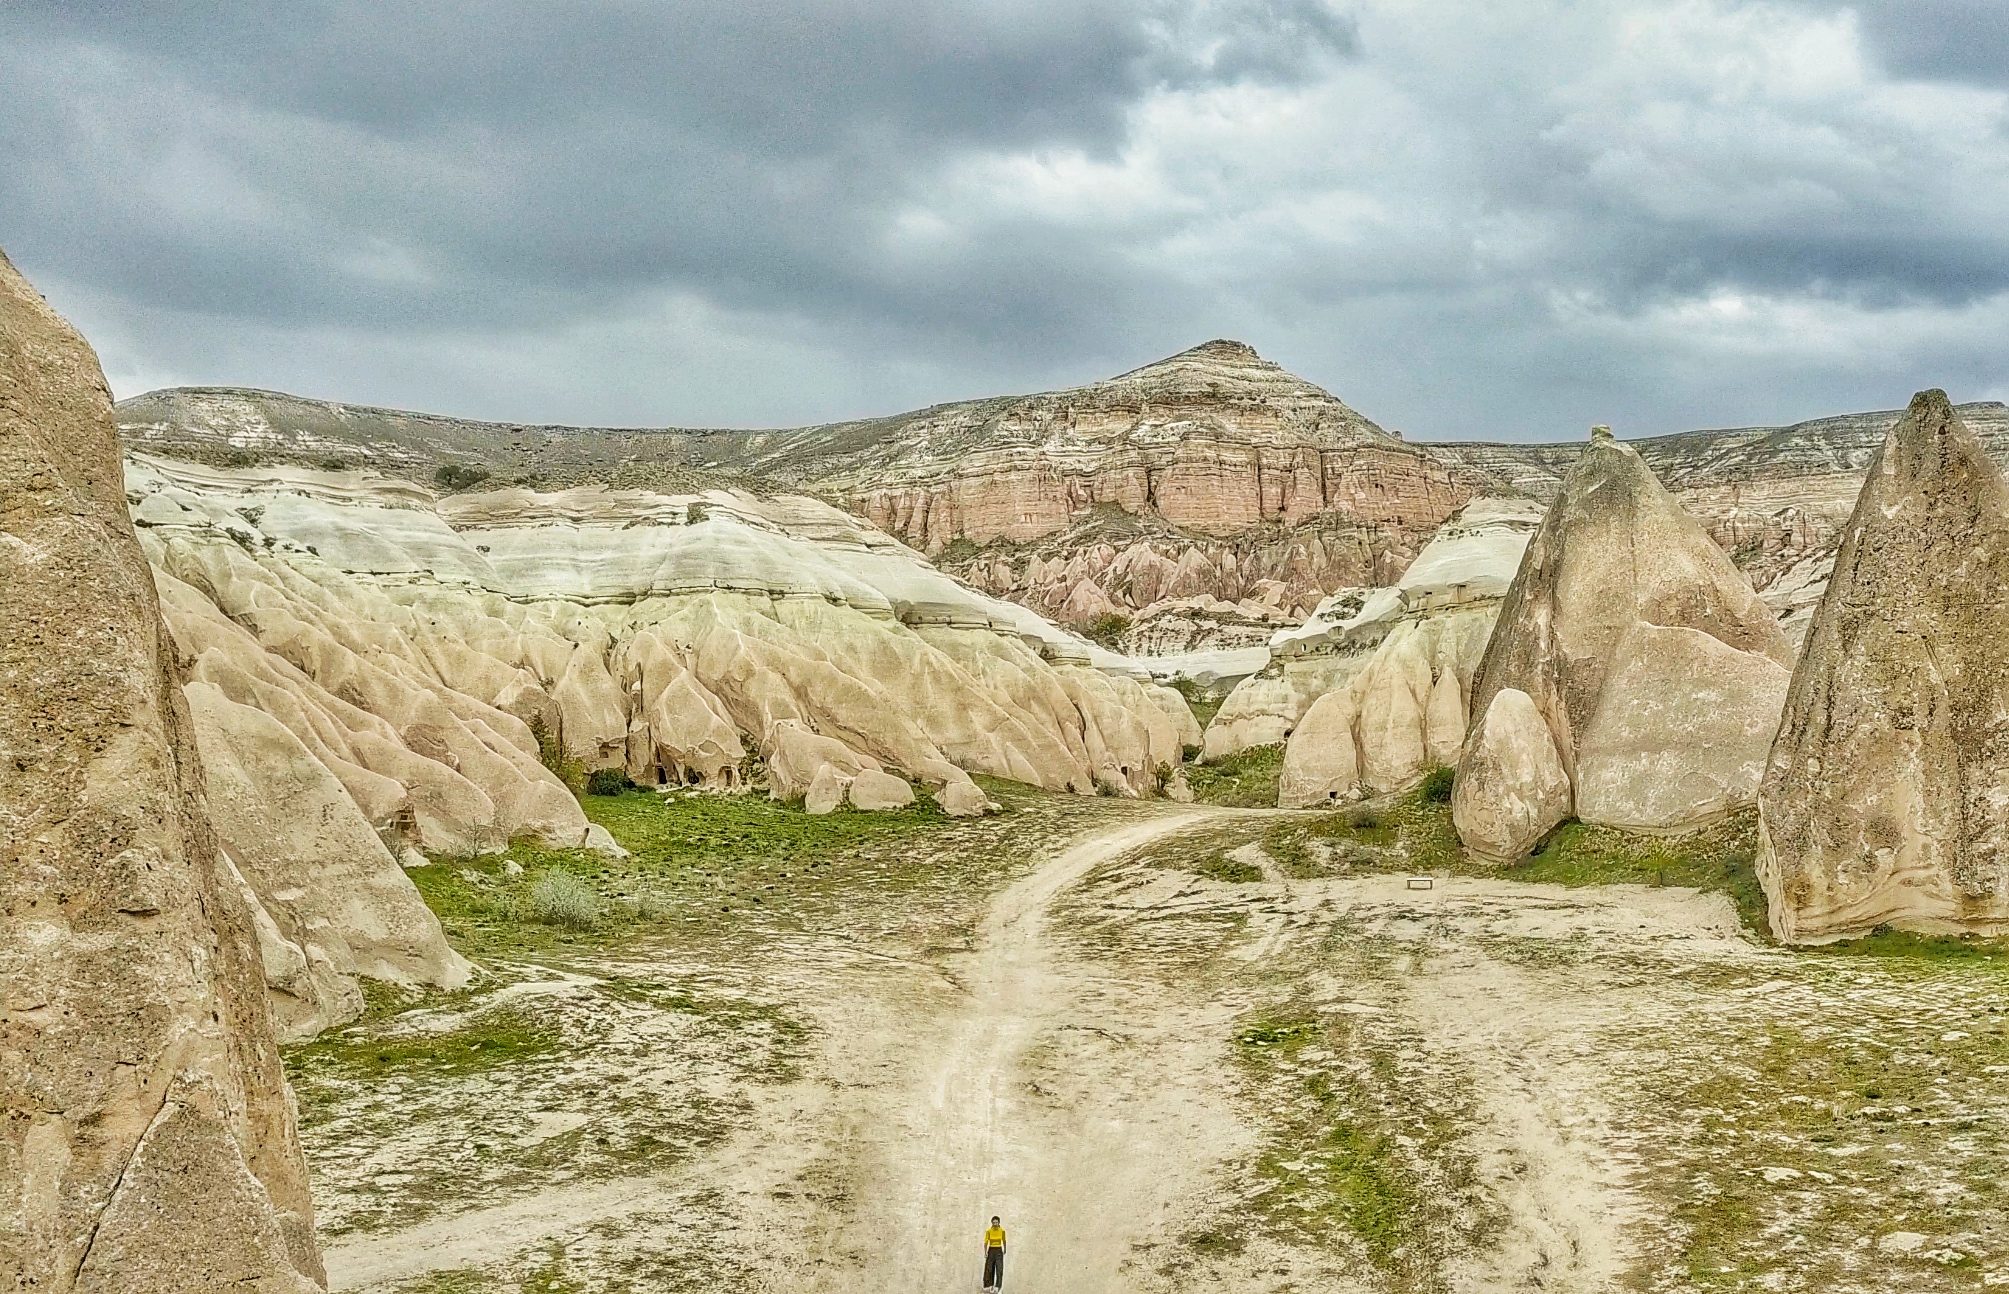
1106	628
607	781
551	753
562	899
1437	784
458	476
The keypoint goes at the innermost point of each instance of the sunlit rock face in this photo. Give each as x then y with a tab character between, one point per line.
1886	798
149	1143
1403	709
1656	671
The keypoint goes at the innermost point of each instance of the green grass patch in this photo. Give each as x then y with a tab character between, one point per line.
1232	870
1720	859
1204	704
1246	779
1356	1148
489	1040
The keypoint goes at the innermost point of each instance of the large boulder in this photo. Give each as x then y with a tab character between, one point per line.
1886	798
149	1142
1658	673
873	790
1512	789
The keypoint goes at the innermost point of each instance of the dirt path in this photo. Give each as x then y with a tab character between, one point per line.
1059	1098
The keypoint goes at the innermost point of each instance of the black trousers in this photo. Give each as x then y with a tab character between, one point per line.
993	1269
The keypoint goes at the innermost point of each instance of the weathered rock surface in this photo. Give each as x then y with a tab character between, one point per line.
149	1141
872	790
1656	729
1886	798
1404	656
1210	475
319	876
1512	788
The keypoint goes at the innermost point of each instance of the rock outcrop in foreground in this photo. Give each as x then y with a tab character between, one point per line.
1414	649
1886	798
149	1141
1655	672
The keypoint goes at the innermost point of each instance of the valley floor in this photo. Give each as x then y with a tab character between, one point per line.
1176	1048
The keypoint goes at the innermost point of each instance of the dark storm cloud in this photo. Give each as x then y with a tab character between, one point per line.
1952	39
1468	218
363	162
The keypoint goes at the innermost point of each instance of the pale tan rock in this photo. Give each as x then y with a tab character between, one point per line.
963	800
1512	789
1185	728
1394	701
826	790
873	790
1615	559
678	733
1322	762
149	1143
796	756
319	872
1681	734
1886	797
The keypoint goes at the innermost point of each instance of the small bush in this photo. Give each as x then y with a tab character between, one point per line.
458	476
333	463
1106	628
562	899
551	753
1437	784
607	781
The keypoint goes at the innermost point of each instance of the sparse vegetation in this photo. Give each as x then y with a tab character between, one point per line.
1204	704
1437	785
459	476
1106	628
558	898
551	753
1246	779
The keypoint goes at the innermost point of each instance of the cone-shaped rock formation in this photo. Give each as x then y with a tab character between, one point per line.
149	1141
1886	798
1656	672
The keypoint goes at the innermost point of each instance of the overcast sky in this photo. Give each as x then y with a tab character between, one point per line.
1467	218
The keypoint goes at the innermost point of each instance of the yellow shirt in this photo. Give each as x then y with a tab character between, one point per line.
994	1238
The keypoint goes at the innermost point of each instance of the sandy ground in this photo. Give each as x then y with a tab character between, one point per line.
1478	1086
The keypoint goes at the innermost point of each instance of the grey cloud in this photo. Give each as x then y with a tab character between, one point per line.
483	182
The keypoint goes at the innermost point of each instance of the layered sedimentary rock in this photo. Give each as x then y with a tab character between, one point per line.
1413	649
670	635
1656	673
400	668
149	1141
1886	798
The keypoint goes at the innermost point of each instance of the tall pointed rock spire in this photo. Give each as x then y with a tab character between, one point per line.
1886	798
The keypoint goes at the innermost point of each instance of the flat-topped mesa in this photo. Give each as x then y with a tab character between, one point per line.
1886	798
1655	673
149	1143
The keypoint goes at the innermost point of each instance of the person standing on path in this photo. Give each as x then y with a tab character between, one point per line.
994	1247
